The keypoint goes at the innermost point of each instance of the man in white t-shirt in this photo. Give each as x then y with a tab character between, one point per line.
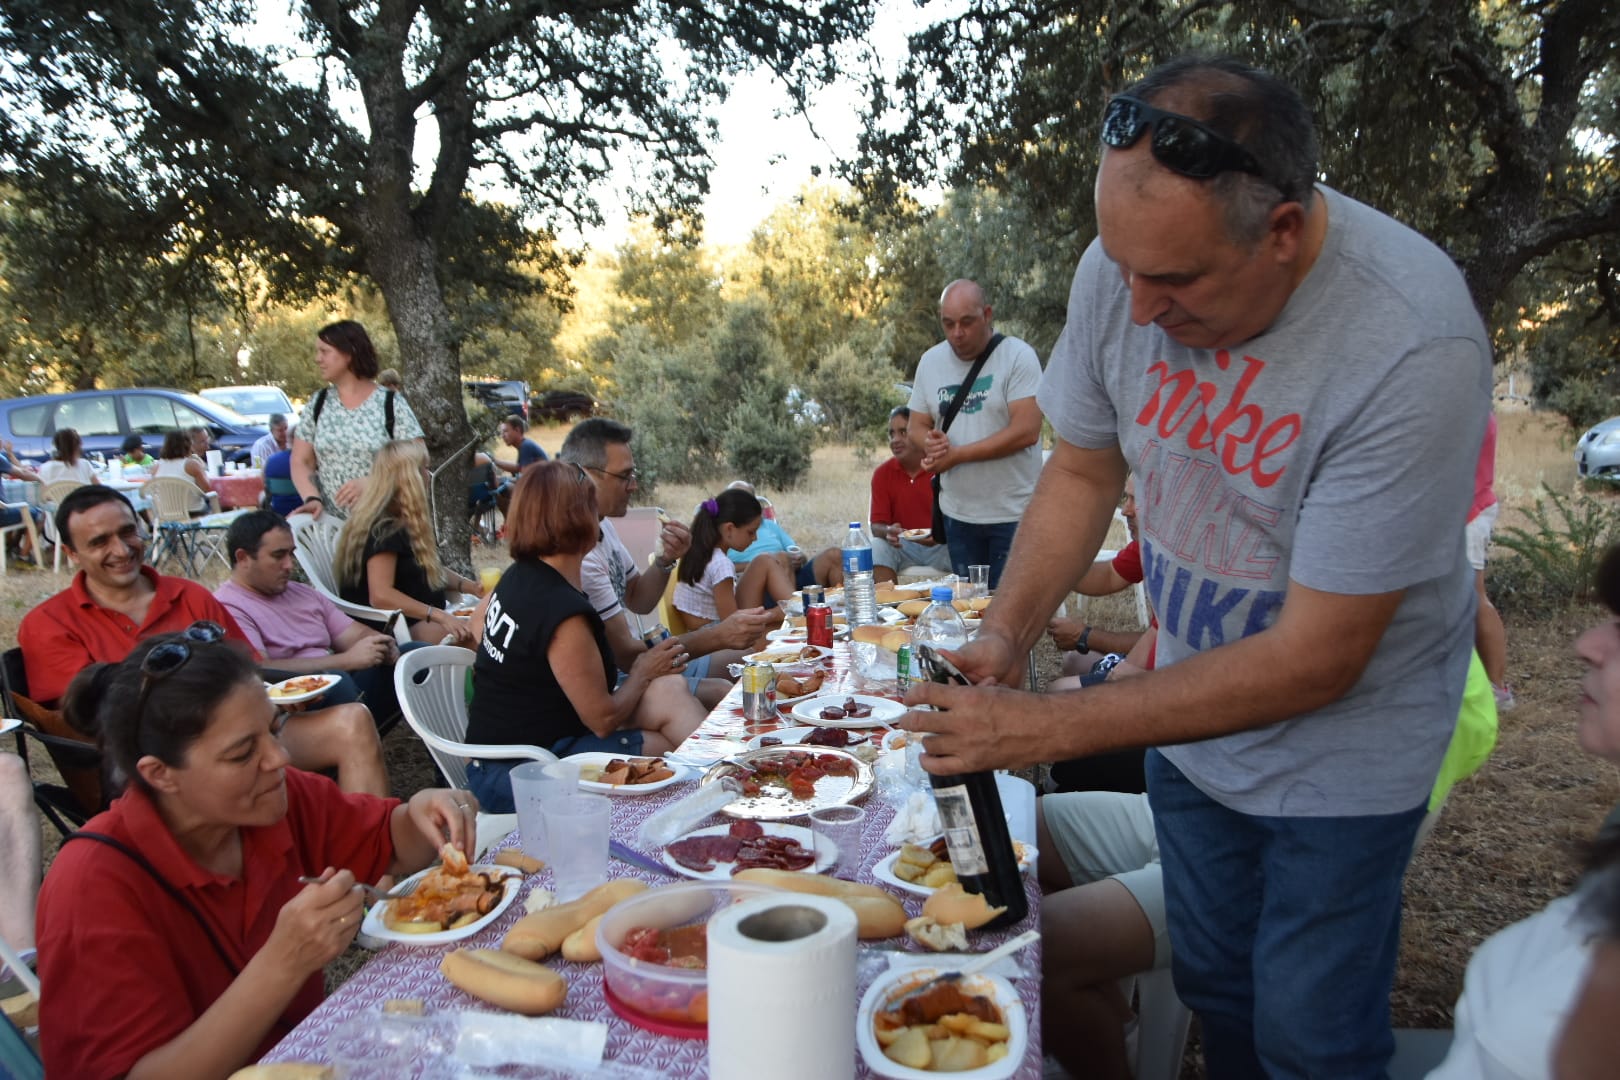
614	583
990	457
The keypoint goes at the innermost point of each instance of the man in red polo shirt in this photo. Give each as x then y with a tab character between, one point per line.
115	600
903	501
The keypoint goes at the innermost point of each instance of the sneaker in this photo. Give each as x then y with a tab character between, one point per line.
1504	697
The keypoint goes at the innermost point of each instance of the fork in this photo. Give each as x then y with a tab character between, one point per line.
376	894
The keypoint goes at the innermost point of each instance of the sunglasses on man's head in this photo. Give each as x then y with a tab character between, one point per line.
1180	143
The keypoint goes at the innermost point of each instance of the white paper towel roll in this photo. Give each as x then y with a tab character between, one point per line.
782	963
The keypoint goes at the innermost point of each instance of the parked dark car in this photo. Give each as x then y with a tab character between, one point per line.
103	418
566	405
503	397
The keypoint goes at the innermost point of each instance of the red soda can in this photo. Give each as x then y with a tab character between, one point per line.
819	625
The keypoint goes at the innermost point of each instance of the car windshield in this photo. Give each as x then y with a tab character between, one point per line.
250	400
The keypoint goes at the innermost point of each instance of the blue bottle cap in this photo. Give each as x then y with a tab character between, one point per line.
942	594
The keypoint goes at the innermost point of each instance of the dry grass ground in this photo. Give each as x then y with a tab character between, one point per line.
1510	838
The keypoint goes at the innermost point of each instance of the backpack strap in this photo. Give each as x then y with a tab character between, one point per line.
180	898
320	403
388	413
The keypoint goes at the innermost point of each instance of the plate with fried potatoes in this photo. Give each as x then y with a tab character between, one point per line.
921	870
381	921
947	1041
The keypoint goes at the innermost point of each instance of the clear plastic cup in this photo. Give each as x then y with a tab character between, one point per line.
533	788
979	578
577	830
843	827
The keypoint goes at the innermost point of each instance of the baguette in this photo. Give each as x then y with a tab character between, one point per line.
508	981
580	946
877	913
871	632
537	936
954	904
515	858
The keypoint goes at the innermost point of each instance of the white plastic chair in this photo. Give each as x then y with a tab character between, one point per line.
50	497
26	525
431	685
315	548
1161	1026
172	501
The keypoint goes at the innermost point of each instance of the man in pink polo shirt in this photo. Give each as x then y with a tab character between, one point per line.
294	627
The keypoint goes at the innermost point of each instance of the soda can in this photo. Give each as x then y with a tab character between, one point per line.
818	625
758	691
902	668
654	634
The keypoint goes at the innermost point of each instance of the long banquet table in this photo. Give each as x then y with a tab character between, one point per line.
400	971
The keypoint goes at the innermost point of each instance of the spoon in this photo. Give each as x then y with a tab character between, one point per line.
984	960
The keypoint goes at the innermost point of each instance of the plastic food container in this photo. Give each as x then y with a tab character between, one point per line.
658	997
893	985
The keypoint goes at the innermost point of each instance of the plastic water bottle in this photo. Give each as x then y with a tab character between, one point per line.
939	625
860	597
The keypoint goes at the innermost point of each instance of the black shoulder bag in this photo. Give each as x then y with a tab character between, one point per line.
945	419
180	898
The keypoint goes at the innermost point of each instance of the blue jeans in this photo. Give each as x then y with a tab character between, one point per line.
491	781
1284	931
972	544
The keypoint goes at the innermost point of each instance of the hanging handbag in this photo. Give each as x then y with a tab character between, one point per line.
945	419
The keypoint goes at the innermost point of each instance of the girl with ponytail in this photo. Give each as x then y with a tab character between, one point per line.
707	588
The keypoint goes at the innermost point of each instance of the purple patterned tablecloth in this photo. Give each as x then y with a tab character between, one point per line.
400	971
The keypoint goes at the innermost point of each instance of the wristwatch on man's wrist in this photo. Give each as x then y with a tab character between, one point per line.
1084	643
652	561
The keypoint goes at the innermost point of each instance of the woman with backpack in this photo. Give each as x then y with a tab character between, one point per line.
346	422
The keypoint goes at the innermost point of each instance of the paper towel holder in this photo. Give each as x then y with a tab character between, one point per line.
784	922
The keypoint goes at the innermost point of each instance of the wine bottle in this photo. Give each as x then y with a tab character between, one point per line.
976	834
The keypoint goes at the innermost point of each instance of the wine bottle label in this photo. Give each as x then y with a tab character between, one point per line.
961	831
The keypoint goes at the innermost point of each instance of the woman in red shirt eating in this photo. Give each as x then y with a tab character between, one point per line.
174	936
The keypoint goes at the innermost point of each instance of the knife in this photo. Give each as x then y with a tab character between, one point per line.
627	854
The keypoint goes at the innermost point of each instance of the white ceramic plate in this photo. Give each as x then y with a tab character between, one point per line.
826	852
916	534
593	762
884	711
327	682
895	982
884	870
787	656
797	635
377	928
793	736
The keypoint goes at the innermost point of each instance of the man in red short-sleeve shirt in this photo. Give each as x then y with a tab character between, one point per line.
115	600
902	501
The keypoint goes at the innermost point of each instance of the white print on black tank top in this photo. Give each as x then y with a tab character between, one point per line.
497	625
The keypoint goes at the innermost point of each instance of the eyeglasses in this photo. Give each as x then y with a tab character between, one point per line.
628	476
1180	143
166	659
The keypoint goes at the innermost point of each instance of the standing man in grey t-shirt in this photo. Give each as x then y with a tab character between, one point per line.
1300	385
990	458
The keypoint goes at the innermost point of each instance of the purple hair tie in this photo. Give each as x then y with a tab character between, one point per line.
711	507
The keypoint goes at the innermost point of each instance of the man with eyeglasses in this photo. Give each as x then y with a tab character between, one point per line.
614	583
976	421
115	600
1300	385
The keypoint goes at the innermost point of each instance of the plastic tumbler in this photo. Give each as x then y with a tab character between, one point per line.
532	789
979	576
577	835
489	577
842	825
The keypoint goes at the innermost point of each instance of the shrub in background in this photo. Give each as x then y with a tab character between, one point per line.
1554	558
762	442
855	394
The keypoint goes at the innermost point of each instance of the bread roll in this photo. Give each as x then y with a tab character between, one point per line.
537	936
896	595
912	608
508	981
925	930
872	633
954	904
515	858
894	639
877	913
580	946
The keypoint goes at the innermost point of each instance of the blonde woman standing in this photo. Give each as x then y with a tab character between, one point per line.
387	556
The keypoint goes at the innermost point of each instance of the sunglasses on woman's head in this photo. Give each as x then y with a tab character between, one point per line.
166	659
1180	143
